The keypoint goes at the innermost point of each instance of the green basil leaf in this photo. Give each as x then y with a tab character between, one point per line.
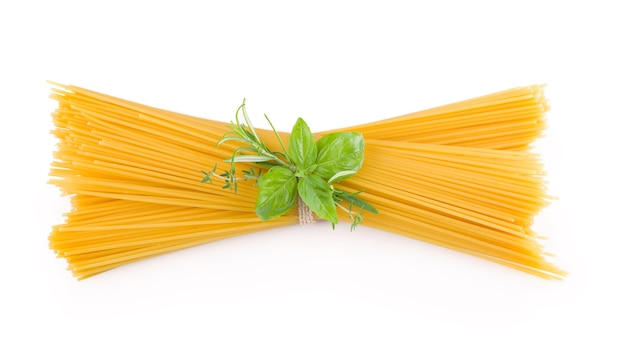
277	193
338	152
316	194
340	176
302	149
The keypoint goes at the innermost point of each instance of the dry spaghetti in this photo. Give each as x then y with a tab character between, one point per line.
460	176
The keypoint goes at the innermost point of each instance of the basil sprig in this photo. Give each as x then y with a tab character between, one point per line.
306	168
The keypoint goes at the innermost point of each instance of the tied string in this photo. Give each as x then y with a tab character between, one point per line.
305	215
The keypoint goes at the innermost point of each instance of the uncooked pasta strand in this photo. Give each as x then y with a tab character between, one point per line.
459	176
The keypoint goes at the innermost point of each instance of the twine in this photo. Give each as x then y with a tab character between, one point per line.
305	215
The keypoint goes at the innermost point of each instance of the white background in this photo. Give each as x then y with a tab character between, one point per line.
314	291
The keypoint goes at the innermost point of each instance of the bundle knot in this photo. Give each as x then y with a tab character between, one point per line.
305	215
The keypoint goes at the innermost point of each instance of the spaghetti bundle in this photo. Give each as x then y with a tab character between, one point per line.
460	176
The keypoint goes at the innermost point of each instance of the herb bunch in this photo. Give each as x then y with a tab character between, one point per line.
304	168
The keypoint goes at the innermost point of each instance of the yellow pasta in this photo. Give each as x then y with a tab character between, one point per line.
460	176
512	119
